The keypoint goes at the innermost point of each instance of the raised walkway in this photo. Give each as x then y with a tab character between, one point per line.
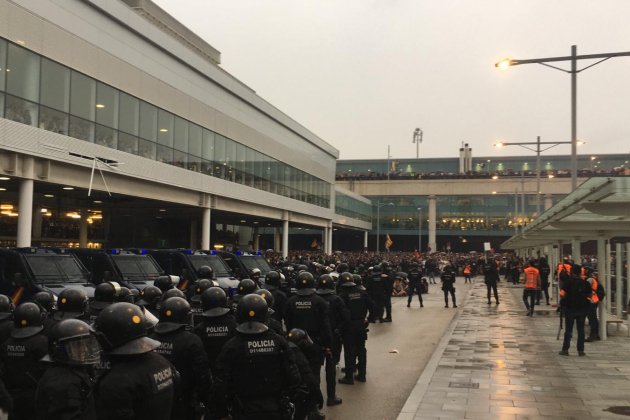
496	363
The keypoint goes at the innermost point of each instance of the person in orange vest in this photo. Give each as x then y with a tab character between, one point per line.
575	295
532	286
563	271
467	273
593	322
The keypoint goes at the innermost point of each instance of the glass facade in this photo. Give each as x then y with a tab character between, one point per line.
42	93
351	207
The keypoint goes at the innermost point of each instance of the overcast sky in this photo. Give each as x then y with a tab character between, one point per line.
363	74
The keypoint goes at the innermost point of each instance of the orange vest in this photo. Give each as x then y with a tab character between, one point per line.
563	267
532	275
467	269
594	286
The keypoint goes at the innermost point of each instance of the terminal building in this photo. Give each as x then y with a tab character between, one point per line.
118	127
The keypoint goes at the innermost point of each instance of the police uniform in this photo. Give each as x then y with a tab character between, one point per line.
491	277
65	393
448	280
376	289
415	285
354	331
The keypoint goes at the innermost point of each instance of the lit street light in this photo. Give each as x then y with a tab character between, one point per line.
573	58
378	223
538	150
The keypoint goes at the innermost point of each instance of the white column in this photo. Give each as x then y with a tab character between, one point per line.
365	239
277	244
285	238
607	282
205	228
83	229
576	250
618	283
25	209
432	222
601	275
330	238
325	244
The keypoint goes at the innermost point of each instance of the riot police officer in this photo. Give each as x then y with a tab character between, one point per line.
256	367
140	383
20	358
195	301
308	397
387	278
376	290
185	351
309	312
6	312
72	304
104	295
274	324
415	284
245	287
149	299
164	283
338	316
491	278
65	389
255	274
359	305
272	283
216	327
448	280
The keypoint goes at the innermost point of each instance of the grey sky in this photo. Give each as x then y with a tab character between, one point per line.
362	74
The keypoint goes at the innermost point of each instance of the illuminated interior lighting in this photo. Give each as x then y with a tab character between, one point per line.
163	130
68	188
48	195
4	178
6	206
100	106
3	189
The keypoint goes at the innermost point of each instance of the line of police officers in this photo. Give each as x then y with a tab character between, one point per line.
169	354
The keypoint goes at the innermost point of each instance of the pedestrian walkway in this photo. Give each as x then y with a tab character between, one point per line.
496	363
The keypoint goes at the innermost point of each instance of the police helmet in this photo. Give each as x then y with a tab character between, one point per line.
300	338
214	302
272	279
71	303
346	279
342	267
305	284
164	283
266	294
45	300
246	286
325	285
357	279
73	342
205	272
104	295
124	295
122	330
301	267
201	286
6	307
251	314
174	314
27	320
149	296
255	272
172	293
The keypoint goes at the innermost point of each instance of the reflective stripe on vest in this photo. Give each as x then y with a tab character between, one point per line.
594	286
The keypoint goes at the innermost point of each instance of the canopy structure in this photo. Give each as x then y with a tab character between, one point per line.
599	208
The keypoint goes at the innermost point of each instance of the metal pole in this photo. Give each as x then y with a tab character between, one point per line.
619	306
516	212
387	163
417	148
420	230
573	117
601	277
538	176
378	226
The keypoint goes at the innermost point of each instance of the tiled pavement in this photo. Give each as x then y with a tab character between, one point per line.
496	363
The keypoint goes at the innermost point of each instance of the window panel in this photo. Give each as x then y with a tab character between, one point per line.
230	159
194	163
165	128
239	163
53	120
81	129
127	143
82	96
106	105
55	86
3	62
220	162
21	111
22	73
180	159
148	121
105	136
194	139
180	142
129	114
207	148
164	154
1	105
146	149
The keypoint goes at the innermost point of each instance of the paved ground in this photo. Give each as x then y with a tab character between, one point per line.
415	333
496	363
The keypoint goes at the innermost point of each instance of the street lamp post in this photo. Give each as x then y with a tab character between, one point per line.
417	138
538	150
420	230
378	223
573	58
